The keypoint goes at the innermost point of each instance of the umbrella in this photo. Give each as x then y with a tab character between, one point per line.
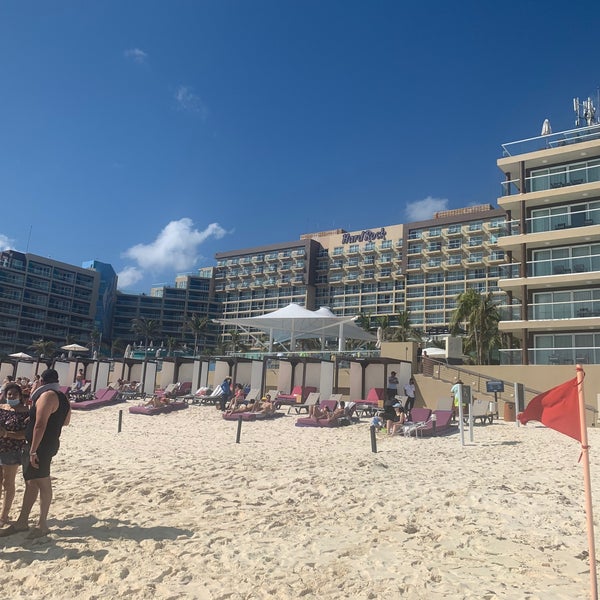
20	355
74	348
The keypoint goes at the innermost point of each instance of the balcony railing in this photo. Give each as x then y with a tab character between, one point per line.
552	356
554	140
553	266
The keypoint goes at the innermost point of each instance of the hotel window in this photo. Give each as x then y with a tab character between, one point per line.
453	244
437	304
370	246
385	272
369	260
454	289
455	275
415	248
476	274
434	262
385	286
475	257
434	246
435	231
385	258
454	229
369	274
435	290
368	287
414	264
369	299
386	244
414	235
338	251
415	305
415	279
476	240
353	248
475	226
435	277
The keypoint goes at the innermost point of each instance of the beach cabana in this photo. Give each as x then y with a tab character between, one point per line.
294	322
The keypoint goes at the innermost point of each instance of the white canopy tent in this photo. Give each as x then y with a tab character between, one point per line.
293	322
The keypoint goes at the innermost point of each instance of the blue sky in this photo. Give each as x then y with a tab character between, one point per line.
151	135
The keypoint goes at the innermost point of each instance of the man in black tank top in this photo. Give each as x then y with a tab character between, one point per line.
49	412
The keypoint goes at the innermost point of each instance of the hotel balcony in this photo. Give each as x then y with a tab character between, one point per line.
585	355
298	253
454	262
352	278
563	227
472	261
413	266
369	248
257	283
432	265
367	276
554	273
452	231
352	250
271	257
495	258
383	276
336	265
352	264
298	266
432	249
398	274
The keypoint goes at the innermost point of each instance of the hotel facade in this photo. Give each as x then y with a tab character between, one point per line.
419	267
551	194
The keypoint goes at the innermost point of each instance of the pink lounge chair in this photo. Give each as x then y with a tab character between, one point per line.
313	422
102	397
443	419
291	398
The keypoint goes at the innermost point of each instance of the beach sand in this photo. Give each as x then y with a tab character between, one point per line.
172	507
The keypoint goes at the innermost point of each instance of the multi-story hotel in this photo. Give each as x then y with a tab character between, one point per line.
551	194
418	267
45	299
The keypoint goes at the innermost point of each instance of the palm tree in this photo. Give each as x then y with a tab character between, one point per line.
172	345
197	325
481	317
147	328
44	348
117	346
405	331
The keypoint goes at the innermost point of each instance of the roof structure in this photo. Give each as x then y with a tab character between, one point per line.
293	322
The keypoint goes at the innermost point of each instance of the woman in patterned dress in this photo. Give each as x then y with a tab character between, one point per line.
13	419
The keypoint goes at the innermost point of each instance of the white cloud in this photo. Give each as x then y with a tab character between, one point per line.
5	242
421	210
190	102
129	276
175	247
136	55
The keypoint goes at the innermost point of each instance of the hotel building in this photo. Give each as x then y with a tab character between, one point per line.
551	194
418	267
41	298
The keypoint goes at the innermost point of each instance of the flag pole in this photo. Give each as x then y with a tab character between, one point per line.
587	485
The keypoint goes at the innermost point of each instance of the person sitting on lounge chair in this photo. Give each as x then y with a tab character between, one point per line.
328	415
239	399
394	420
264	406
157	401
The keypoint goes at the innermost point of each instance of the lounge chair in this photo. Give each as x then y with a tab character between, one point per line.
440	425
183	389
166	392
292	397
313	398
212	398
368	406
83	393
102	397
314	422
480	409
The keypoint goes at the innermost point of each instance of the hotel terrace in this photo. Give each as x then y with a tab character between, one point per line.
551	194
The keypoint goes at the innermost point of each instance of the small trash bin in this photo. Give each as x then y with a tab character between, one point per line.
509	412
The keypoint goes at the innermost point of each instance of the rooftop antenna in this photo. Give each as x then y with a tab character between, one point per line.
584	110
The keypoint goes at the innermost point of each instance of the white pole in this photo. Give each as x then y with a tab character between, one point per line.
460	414
585	463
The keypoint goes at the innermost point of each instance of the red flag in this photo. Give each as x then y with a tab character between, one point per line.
557	408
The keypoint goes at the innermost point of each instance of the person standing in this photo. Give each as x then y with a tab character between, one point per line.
49	412
392	388
419	359
410	392
13	421
225	393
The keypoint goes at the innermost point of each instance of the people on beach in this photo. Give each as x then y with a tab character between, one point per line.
49	412
455	395
225	393
410	393
396	423
13	420
79	380
392	388
239	399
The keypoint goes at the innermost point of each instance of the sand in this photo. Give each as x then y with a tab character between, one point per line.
172	507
